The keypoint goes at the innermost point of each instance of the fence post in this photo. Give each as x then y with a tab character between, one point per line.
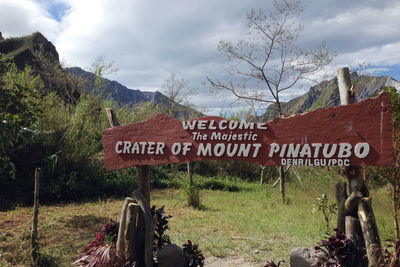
35	246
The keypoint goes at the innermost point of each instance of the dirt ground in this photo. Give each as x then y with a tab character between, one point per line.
226	262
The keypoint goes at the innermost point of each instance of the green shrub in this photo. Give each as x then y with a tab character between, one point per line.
192	194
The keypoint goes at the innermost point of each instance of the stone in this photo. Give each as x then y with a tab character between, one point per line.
304	257
172	256
1	37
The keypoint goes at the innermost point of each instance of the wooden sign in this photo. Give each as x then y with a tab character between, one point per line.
358	134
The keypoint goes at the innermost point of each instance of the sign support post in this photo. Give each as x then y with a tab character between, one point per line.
140	239
360	223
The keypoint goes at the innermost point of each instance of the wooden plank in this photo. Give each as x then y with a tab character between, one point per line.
161	139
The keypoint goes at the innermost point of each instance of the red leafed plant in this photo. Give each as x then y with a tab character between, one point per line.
337	250
98	253
192	251
102	251
271	263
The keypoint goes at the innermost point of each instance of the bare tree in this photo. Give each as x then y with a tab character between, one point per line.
270	60
101	67
177	90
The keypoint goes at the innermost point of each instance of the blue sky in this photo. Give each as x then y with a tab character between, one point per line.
147	40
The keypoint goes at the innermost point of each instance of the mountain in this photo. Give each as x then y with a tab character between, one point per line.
39	53
326	94
125	96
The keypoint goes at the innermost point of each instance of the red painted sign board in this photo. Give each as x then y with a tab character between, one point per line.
357	134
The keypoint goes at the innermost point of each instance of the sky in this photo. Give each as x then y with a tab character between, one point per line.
147	40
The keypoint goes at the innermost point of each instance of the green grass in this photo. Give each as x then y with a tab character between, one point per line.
251	222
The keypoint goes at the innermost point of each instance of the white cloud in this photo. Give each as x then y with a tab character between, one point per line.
149	39
23	17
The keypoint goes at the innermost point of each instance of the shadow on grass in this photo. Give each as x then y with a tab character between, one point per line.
46	260
86	221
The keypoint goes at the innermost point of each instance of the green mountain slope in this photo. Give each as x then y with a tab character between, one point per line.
36	51
125	96
326	94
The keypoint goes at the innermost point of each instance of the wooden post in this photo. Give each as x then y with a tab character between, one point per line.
143	230
121	240
282	183
341	196
262	174
131	233
344	85
149	227
143	178
35	247
143	172
370	231
352	225
360	223
189	167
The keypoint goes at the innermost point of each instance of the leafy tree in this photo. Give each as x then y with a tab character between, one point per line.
393	173
19	109
269	61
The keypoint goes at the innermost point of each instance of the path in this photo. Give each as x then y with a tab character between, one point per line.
226	262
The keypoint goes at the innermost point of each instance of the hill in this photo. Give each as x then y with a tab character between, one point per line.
125	96
39	53
326	94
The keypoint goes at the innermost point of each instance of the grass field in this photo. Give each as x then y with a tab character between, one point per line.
251	223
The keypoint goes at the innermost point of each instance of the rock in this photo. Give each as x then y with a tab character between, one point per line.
172	256
1	37
304	257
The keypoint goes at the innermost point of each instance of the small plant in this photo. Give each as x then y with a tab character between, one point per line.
102	251
195	256
391	253
338	251
160	238
192	196
98	253
271	263
328	209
